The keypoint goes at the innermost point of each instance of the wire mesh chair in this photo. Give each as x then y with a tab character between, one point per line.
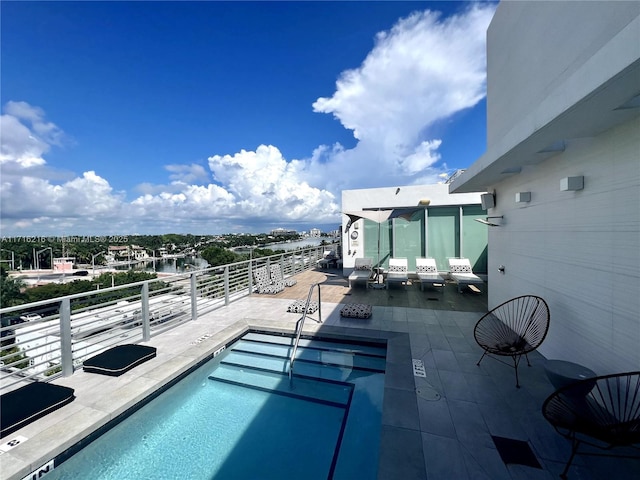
602	412
513	329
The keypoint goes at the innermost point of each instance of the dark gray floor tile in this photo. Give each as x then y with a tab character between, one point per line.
435	418
400	409
455	387
402	456
484	463
469	423
445	360
400	375
443	458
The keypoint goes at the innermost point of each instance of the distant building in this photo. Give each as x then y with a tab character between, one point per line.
130	252
282	231
315	232
63	264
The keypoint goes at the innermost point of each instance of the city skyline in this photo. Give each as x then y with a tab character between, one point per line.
226	117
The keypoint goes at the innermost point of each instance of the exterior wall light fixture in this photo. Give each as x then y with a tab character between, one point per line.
571	184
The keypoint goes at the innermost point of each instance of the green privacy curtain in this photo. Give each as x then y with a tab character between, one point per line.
443	231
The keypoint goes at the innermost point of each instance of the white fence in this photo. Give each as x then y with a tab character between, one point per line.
46	339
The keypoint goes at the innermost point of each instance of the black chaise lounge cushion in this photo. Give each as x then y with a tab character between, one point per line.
119	359
26	404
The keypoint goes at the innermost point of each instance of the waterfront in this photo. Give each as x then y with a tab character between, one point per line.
168	265
287	246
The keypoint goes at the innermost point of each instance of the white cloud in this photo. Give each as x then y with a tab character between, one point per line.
187	173
420	72
268	186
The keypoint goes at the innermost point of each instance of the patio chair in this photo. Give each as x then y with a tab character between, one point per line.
603	412
361	271
329	259
263	281
278	277
513	329
461	273
427	273
398	271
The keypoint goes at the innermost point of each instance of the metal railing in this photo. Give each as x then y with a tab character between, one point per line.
300	325
51	338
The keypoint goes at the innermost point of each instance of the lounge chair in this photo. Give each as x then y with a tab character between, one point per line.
513	329
461	273
427	272
361	271
329	259
398	271
278	277
263	281
601	412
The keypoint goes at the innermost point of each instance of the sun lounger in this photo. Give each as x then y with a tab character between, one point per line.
278	277
461	273
427	272
264	283
361	271
398	271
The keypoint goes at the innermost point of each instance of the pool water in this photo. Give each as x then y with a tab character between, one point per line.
238	416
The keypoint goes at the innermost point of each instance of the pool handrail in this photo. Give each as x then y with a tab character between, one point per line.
300	325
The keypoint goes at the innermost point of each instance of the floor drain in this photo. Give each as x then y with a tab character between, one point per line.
428	393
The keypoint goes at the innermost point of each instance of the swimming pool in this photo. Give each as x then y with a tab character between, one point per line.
238	416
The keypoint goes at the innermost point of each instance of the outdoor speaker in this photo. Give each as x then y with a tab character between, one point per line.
487	200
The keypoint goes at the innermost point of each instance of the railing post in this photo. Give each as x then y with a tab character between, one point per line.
250	276
194	297
146	317
319	306
226	285
66	347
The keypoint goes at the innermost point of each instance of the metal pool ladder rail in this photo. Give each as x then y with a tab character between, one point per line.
300	325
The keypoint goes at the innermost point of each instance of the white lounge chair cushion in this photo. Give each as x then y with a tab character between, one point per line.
298	307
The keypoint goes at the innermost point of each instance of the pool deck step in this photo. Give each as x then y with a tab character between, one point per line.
309	354
329	393
364	349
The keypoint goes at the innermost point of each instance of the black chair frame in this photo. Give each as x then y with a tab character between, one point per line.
601	412
513	329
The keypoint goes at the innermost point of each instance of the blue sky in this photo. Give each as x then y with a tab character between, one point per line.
219	117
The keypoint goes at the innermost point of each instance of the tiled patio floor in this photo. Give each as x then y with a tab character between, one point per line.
437	427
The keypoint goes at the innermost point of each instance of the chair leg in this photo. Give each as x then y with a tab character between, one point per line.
515	365
481	358
527	357
574	449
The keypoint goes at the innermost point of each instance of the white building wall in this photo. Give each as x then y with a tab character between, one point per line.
579	250
530	56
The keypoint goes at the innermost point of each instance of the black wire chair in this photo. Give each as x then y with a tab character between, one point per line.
513	329
602	412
